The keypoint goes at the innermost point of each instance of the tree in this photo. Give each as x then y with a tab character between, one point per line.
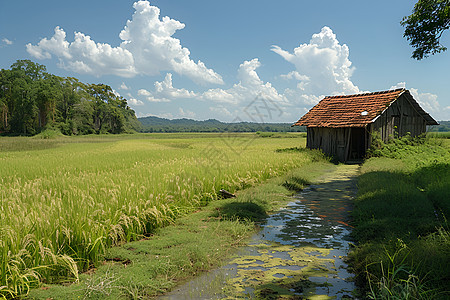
425	26
32	100
31	69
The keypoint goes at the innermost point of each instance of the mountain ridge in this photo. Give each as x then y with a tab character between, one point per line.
158	124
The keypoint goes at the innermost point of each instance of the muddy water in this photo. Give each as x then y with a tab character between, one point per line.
298	253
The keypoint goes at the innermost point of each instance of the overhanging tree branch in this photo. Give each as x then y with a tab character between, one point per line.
425	26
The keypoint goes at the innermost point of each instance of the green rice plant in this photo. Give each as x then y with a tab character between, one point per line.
63	206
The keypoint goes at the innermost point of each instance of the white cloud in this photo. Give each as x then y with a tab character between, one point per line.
148	47
149	96
166	89
427	101
296	96
249	87
144	92
116	93
221	111
7	42
220	95
123	86
84	56
135	102
398	86
322	66
295	75
165	92
186	113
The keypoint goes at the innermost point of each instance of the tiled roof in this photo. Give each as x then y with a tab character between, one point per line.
351	110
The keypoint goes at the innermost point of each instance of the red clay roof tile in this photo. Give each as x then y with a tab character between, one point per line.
349	110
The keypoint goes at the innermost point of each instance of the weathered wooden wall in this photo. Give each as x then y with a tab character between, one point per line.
349	143
400	117
332	141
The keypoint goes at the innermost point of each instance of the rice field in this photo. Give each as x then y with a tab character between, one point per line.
64	201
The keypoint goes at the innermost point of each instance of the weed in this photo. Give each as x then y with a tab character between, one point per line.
100	285
397	281
403	194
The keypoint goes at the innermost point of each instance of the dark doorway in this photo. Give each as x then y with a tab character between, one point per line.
357	149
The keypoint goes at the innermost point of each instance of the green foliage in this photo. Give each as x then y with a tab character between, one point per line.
405	146
444	127
49	133
74	197
32	100
397	281
401	220
425	26
194	244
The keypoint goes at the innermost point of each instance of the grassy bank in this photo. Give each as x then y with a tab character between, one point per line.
193	244
401	221
66	201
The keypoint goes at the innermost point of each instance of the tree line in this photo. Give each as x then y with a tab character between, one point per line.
32	100
156	124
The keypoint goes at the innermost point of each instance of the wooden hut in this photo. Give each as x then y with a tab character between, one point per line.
342	125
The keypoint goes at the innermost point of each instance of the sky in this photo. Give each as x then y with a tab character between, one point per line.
261	61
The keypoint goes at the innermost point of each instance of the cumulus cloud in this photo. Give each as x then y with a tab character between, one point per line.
249	87
322	66
295	75
135	102
184	113
399	85
166	89
165	92
221	111
245	99
427	101
84	56
148	47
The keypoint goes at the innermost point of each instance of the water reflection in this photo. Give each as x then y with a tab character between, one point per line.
297	254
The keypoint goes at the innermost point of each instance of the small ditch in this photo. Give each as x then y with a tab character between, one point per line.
299	253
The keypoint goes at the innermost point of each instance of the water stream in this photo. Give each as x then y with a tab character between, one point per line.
298	253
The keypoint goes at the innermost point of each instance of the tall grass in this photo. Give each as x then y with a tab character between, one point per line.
61	207
401	221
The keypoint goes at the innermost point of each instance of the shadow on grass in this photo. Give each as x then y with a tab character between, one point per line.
316	154
241	211
404	210
295	183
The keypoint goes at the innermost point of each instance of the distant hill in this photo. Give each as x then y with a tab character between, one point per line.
444	126
156	124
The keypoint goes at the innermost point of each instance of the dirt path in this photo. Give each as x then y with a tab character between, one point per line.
297	254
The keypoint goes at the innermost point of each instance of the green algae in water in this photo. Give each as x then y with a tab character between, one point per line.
312	230
286	278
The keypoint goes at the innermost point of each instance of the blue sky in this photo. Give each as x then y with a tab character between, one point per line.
212	59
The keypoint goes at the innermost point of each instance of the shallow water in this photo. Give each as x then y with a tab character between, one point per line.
298	253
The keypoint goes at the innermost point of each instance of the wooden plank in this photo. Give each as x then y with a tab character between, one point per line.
348	145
